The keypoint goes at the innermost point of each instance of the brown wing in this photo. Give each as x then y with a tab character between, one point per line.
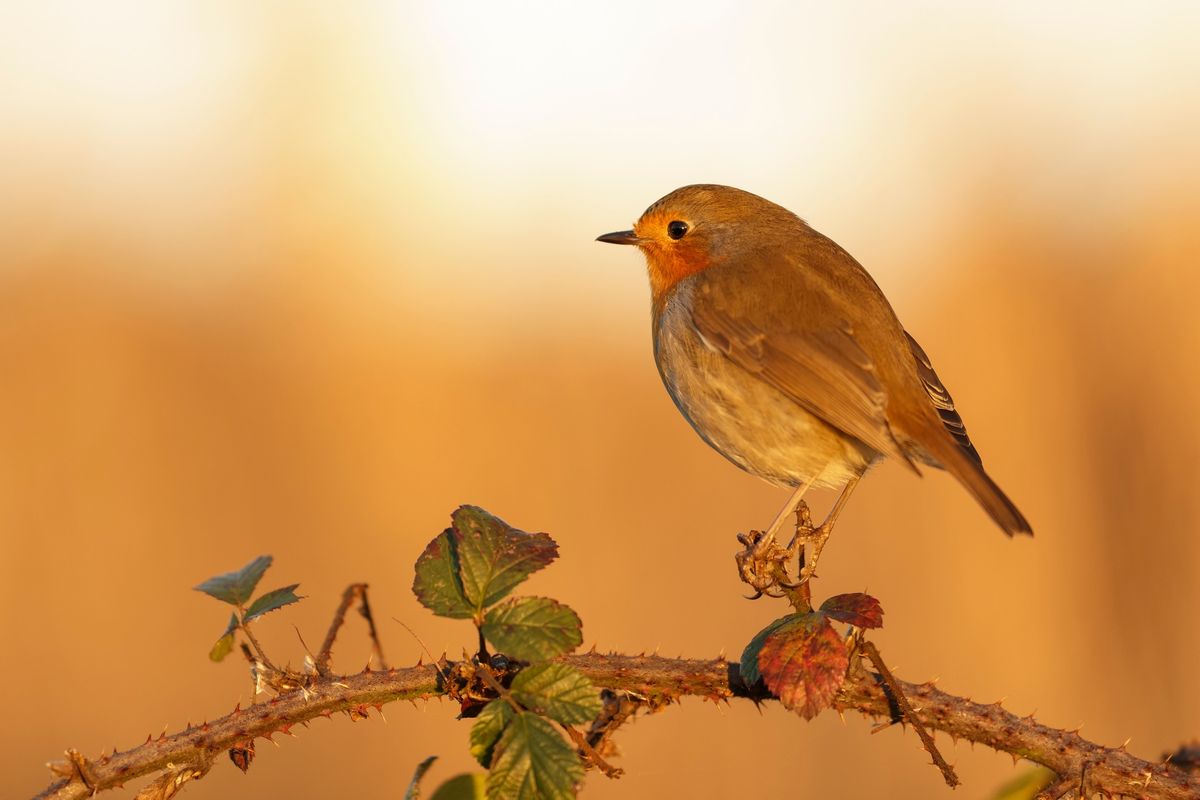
941	399
825	371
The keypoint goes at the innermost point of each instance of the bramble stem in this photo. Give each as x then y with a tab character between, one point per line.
1111	770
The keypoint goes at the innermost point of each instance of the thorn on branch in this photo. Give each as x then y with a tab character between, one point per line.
1187	757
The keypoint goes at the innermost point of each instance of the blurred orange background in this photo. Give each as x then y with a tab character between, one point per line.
299	279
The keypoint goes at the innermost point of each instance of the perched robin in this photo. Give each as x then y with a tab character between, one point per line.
784	355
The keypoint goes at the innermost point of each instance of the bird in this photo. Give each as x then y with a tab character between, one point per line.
783	354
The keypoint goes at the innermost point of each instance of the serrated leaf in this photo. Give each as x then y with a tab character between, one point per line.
533	762
276	598
533	628
236	588
414	786
224	645
803	662
858	609
749	663
557	691
488	727
437	583
494	557
468	786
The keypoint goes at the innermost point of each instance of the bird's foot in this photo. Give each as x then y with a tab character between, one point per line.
763	564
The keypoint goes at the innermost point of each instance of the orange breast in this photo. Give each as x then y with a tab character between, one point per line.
667	267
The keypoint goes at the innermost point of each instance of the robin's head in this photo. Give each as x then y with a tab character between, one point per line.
699	226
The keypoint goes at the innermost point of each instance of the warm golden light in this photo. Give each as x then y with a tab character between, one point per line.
300	278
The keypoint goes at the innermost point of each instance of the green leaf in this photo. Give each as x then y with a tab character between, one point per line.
414	786
476	563
222	648
857	609
533	762
277	598
468	786
235	588
533	628
494	557
488	727
224	645
1025	786
749	663
803	662
557	691
437	584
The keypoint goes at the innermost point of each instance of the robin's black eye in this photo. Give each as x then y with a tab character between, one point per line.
676	229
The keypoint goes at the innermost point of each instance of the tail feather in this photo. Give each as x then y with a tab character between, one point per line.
985	491
954	452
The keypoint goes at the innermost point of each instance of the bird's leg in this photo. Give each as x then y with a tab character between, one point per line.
817	537
789	508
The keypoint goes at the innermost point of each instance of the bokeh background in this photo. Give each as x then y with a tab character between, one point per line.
299	279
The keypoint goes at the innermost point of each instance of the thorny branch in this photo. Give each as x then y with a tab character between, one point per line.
353	591
659	680
907	713
258	650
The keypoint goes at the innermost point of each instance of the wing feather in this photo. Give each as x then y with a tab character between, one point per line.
942	401
824	371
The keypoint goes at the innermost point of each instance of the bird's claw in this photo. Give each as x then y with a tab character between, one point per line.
763	564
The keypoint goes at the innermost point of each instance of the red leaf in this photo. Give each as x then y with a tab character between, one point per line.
242	753
858	609
804	663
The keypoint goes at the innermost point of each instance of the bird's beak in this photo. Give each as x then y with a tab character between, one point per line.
620	237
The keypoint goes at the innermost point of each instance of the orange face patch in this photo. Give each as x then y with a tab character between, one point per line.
669	261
